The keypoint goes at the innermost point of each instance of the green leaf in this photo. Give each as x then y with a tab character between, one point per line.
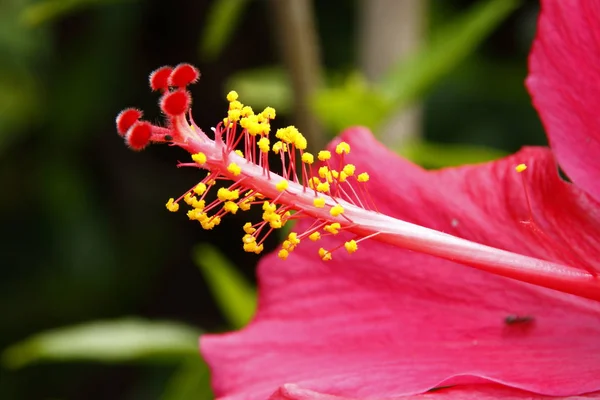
116	341
47	10
233	293
411	78
190	382
436	155
357	103
352	103
264	87
221	22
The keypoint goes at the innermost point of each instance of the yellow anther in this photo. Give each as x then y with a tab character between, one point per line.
279	146
171	205
265	128
231	207
342	177
293	238
300	142
334	228
263	144
233	115
283	254
314	182
308	158
210	223
351	246
269	207
324	155
235	105
247	111
199	158
225	194
521	167
324	254
282	185
196	214
232	96
349	169
319	202
234	169
336	210
364	177
342	148
189	198
258	249
315	236
239	153
269	113
323	187
323	171
248	228
200	189
245	205
248	238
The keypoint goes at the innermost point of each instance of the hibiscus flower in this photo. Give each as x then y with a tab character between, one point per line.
387	323
401	313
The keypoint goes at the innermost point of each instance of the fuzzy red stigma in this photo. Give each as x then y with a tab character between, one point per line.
159	79
175	103
138	136
183	75
126	119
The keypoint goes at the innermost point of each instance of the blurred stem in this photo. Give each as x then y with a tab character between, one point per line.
391	30
297	39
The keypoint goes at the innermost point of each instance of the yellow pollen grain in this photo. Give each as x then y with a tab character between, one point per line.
319	202
199	158
315	236
263	144
248	228
336	210
234	169
349	169
269	113
233	115
334	228
283	254
323	171
172	206
225	194
308	158
520	168
323	187
239	153
364	177
232	96
231	207
235	105
351	246
324	155
282	185
200	189
342	148
324	254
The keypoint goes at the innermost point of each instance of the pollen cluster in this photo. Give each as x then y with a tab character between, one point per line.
241	153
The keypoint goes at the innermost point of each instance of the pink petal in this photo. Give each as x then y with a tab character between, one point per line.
387	322
463	392
563	81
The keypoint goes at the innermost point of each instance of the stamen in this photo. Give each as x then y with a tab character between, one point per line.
335	199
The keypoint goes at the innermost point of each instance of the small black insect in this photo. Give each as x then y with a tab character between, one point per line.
168	138
518	320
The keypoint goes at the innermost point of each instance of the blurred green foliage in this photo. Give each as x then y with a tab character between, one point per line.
234	294
84	233
124	340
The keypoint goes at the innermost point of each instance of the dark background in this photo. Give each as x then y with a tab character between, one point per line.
84	232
